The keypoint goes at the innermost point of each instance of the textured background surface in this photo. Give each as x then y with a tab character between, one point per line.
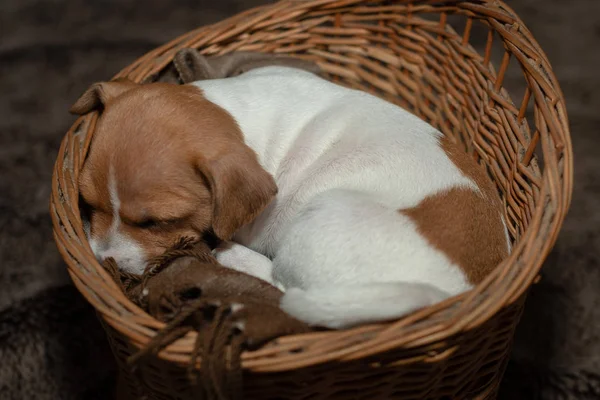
51	346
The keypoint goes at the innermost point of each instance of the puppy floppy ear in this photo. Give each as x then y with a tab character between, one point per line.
241	189
99	94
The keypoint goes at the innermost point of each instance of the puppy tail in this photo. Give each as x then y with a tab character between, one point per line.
346	306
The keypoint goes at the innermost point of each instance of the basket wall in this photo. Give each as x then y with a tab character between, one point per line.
446	61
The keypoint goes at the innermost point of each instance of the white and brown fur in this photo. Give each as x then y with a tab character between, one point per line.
357	209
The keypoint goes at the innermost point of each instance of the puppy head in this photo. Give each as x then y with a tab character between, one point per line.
164	163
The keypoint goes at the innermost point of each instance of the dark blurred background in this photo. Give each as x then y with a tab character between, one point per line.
51	345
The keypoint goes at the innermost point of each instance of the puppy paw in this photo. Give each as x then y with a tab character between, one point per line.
240	258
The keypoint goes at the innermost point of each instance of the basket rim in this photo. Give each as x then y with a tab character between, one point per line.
126	318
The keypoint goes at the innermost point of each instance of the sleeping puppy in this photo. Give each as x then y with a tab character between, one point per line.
357	209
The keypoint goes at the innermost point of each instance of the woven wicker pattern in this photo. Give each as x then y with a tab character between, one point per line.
419	55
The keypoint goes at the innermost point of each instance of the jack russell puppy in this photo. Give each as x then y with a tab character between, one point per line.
359	211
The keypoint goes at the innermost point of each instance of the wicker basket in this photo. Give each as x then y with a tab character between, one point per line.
422	56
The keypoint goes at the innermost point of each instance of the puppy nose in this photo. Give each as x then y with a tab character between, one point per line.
100	250
100	246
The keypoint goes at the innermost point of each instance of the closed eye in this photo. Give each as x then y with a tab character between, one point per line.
151	223
147	223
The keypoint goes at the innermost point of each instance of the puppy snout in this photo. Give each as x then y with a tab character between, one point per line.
98	247
128	255
101	256
102	250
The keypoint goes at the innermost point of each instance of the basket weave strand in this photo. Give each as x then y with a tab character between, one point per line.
453	63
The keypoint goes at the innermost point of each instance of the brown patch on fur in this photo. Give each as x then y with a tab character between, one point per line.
462	223
180	164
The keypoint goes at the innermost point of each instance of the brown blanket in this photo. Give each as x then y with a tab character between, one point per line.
230	311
